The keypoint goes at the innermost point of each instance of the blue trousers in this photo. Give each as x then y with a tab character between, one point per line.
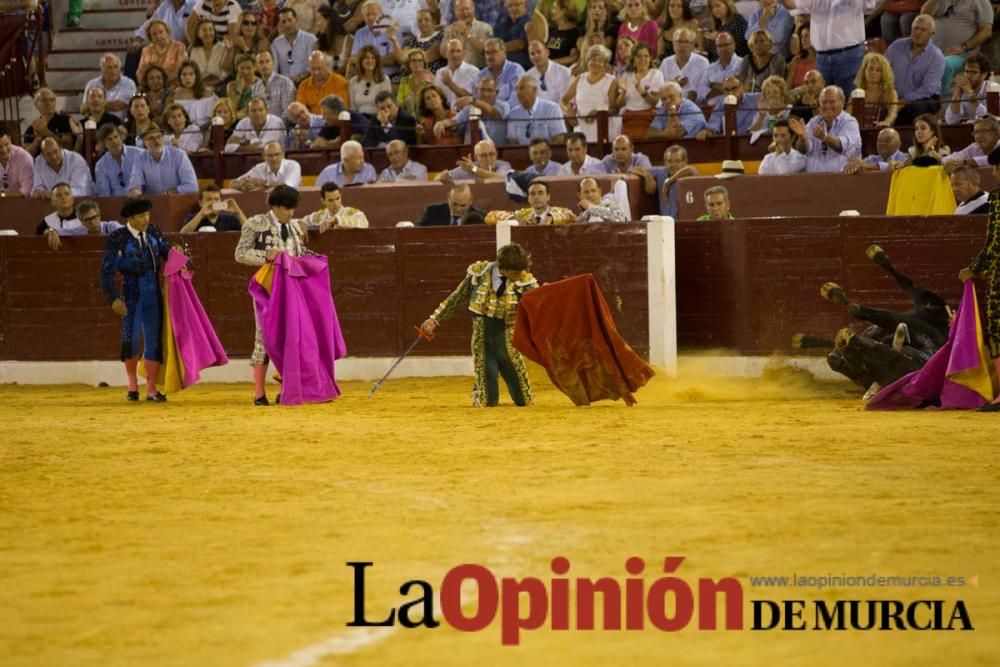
840	68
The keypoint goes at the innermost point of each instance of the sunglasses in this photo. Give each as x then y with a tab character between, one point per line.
121	179
6	182
290	59
368	88
249	23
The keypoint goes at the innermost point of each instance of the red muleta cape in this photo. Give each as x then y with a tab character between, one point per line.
567	328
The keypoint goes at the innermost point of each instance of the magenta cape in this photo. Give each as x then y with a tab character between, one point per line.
959	375
197	345
300	329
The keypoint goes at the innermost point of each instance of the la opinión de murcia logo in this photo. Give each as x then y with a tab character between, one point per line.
668	603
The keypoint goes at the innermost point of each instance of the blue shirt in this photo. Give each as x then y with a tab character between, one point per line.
496	130
316	123
365	37
898	156
544	119
490	11
745	112
509	31
175	18
668	205
780	27
297	54
551	169
821	158
506	82
112	178
691	117
919	78
172	172
610	166
335	173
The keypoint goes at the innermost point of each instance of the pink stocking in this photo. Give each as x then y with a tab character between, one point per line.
259	376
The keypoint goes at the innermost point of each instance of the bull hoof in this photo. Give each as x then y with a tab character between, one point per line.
844	337
874	251
833	293
877	255
872	390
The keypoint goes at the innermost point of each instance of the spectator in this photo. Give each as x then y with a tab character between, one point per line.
213	214
716	204
675	167
594	90
878	81
163	50
804	61
458	77
968	94
486	165
180	131
266	13
837	30
434	110
322	81
161	169
155	90
638	92
579	163
725	18
928	143
275	89
305	127
328	35
678	16
886	156
678	117
492	111
291	48
138	120
971	198
774	19
306	11
985	139
274	170
594	208
728	65
17	169
257	130
224	112
534	117
564	33
961	28
599	20
918	66
896	18
51	123
210	54
553	78
746	110
402	15
239	91
369	83
452	212
685	67
192	94
372	34
334	215
390	123
539	211
762	62
491	11
407	94
637	25
331	107
472	32
512	28
540	154
783	158
173	13
118	89
88	212
249	40
805	98
427	40
223	14
58	165
625	160
505	72
774	104
112	170
401	167
352	168
62	221
95	109
830	139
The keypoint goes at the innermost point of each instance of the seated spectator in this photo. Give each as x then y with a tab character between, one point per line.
94	109
17	169
538	212
155	90
273	171
716	204
161	169
685	67
774	19
471	31
505	72
292	47
322	81
334	215
374	35
968	94
783	158
163	51
112	170
458	77
249	40
637	25
830	139
887	154
432	110
255	131
401	167
192	94
62	221
623	158
971	198
534	117
918	66
878	81
746	110
638	92
369	83
331	107
725	18
88	212
592	91
677	15
762	63
118	89
896	18
51	123
275	89
728	65
594	208
223	14
564	33
805	98
774	104
540	154
928	143
139	120
579	163
675	167
961	28
491	111
486	165
390	122
305	127
678	117
239	91
452	212
214	60
213	214
307	12
804	61
266	13
179	131
407	94
553	78
352	168
58	165
985	139
427	39
224	112
175	13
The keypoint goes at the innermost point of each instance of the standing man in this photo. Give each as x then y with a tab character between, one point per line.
470	31
728	65
534	118
685	67
917	66
553	78
831	138
506	72
837	32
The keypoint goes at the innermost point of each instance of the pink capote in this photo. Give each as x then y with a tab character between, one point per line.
300	328
957	377
197	344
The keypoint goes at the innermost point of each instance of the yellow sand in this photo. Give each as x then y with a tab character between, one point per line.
208	532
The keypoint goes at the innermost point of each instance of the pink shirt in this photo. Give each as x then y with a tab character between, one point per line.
648	34
19	172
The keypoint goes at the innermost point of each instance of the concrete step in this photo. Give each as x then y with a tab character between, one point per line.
110	39
113	18
67	79
60	60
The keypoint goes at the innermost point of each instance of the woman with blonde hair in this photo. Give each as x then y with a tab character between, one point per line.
249	39
224	111
876	78
162	50
762	63
594	90
775	104
637	25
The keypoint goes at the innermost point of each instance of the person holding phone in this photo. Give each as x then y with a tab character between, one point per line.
214	215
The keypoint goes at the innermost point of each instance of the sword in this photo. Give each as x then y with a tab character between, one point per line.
420	334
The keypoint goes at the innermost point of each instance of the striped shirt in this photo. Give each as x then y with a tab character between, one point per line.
230	13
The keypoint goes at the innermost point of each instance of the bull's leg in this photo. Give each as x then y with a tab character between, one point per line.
930	307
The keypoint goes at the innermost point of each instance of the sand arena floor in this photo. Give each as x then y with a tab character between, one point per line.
207	532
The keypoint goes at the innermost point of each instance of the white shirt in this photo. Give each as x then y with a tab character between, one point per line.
776	163
273	130
289	173
693	71
836	24
591	165
463	77
556	81
716	73
120	92
971	107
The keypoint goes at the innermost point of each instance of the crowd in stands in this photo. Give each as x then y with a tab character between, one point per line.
281	75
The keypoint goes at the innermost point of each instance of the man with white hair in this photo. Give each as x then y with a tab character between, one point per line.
322	81
472	32
831	138
351	170
255	131
375	33
485	165
274	170
492	112
118	89
533	117
305	127
457	78
507	73
401	167
553	78
678	117
57	165
917	66
685	67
